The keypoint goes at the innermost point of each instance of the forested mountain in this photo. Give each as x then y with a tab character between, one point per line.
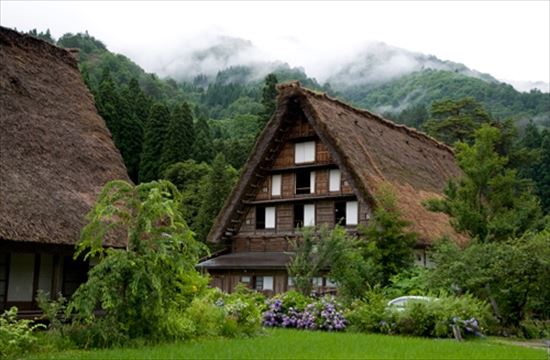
174	129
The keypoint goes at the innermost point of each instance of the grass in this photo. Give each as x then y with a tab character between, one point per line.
294	344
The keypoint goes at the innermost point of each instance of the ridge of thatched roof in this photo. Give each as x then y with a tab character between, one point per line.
371	152
56	152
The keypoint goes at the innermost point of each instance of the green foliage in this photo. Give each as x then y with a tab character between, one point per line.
429	318
52	309
389	245
453	121
513	275
350	266
122	111
490	203
46	35
427	86
220	314
269	95
308	259
140	287
16	336
410	281
538	170
180	136
383	249
203	145
154	137
217	187
190	179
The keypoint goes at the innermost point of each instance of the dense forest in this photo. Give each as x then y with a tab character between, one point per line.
198	133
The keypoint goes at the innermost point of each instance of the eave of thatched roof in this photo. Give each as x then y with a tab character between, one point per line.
248	260
371	152
56	152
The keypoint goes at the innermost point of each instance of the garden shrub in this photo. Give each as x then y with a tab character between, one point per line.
220	314
321	314
16	336
434	318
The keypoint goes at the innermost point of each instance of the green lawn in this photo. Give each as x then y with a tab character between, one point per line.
283	344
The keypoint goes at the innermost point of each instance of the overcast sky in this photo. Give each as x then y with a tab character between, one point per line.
510	40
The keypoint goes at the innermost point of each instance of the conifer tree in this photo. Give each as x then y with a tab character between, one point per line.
203	144
108	103
180	136
154	137
490	202
269	95
217	186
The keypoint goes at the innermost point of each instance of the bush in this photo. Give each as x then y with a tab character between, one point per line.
16	336
434	318
220	314
290	311
535	329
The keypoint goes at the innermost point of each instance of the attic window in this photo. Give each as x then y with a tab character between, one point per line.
334	180
304	152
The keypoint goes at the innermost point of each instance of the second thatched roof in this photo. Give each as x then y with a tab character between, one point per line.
371	151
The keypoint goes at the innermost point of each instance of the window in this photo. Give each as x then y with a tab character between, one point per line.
304	152
270	217
340	213
305	182
245	279
276	185
309	215
351	213
345	213
334	180
265	217
20	282
304	215
263	283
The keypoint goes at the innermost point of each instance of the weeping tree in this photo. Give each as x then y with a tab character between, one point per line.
139	288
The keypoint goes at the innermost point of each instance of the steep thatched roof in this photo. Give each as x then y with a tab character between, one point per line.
371	152
55	150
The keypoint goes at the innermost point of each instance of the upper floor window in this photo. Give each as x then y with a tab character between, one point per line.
335	178
305	182
265	217
276	185
304	152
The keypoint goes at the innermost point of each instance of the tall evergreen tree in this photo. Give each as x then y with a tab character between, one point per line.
138	102
215	189
490	202
180	136
456	120
108	103
269	96
203	144
154	137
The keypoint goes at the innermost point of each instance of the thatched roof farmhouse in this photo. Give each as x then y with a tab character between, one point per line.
357	150
56	154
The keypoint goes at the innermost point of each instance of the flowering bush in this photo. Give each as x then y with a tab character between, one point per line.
323	314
